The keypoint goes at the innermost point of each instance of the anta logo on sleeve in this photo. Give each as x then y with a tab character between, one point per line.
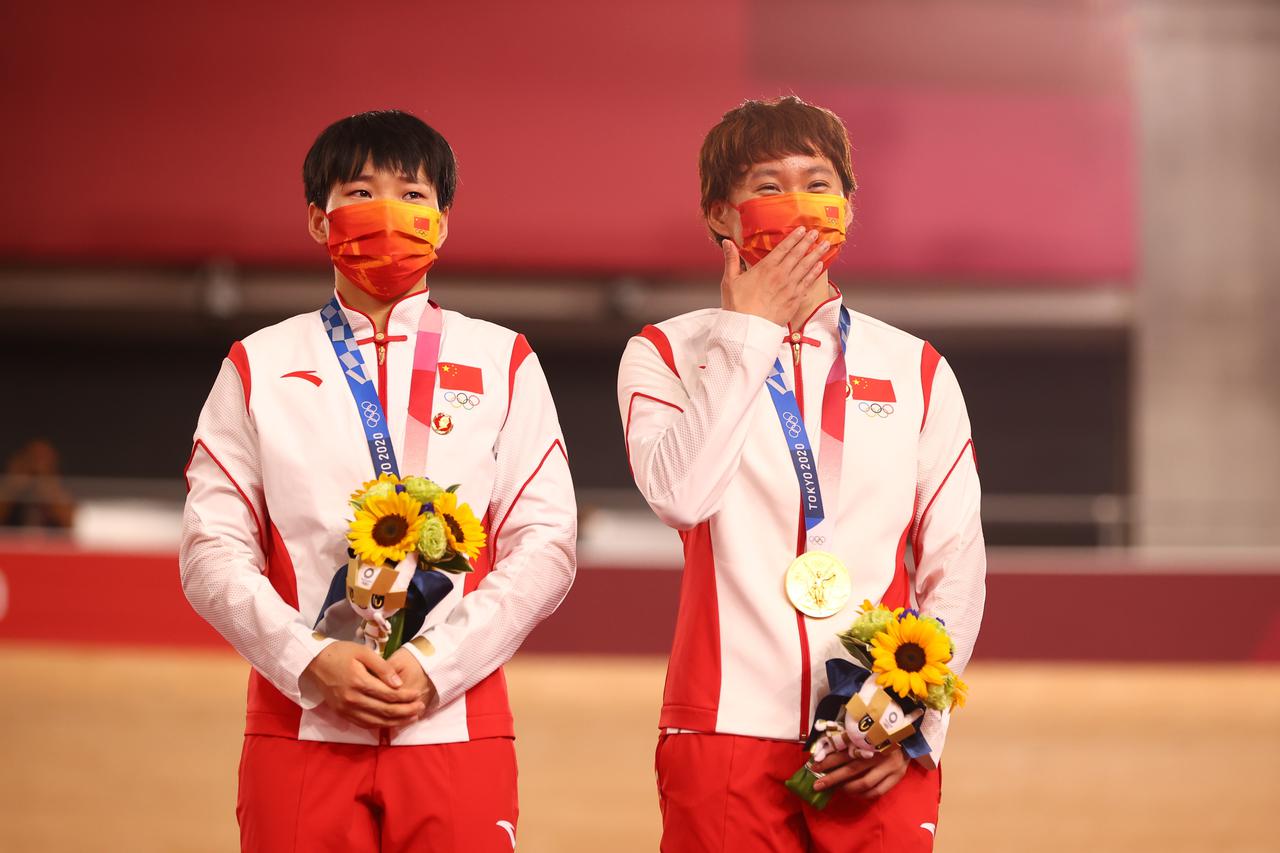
309	375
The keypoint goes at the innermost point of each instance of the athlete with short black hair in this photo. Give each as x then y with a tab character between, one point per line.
343	750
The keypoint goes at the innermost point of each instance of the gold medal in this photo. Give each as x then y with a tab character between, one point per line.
818	584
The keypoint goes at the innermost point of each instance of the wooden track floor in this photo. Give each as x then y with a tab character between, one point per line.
129	750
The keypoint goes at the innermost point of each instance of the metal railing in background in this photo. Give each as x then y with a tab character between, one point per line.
118	510
222	291
1109	515
618	531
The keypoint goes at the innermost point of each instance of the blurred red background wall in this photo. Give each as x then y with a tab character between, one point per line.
991	143
1038	608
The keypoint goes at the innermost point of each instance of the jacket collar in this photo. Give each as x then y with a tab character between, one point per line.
822	324
402	321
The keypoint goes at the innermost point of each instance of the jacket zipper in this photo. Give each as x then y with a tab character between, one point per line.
380	340
380	343
801	626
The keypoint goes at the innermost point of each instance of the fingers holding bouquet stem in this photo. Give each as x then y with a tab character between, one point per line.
380	680
362	687
415	679
869	778
374	714
854	765
381	670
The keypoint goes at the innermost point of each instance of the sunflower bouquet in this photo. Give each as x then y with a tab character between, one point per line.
406	536
899	670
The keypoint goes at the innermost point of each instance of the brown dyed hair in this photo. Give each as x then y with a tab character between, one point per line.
763	130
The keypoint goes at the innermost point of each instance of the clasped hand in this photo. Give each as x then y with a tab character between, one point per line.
371	692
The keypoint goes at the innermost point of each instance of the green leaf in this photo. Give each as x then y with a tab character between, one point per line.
857	649
801	784
457	564
396	637
453	488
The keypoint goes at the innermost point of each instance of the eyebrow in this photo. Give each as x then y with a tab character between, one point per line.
759	173
368	177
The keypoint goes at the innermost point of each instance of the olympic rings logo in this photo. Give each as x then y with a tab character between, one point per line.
371	415
875	410
461	400
793	424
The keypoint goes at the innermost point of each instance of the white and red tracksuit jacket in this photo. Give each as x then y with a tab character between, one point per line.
708	455
278	452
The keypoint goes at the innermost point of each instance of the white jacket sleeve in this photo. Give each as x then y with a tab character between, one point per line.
951	560
534	520
685	438
222	561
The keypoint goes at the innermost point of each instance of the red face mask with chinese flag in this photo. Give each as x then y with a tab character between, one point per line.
768	219
384	247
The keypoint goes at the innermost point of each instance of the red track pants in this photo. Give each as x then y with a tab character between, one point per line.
311	797
725	793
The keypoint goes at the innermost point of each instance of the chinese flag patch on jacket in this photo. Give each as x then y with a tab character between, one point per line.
871	390
460	377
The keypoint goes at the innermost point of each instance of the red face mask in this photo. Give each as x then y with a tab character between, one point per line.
383	247
767	219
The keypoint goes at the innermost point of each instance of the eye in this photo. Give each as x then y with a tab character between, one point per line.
819	186
865	723
768	188
361	194
414	195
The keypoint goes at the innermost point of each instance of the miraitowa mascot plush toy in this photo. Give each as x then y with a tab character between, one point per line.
375	595
877	699
861	718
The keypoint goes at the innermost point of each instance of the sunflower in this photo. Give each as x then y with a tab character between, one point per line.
910	655
465	533
386	528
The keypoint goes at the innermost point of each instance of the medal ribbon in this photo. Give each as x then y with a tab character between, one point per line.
810	474
422	389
